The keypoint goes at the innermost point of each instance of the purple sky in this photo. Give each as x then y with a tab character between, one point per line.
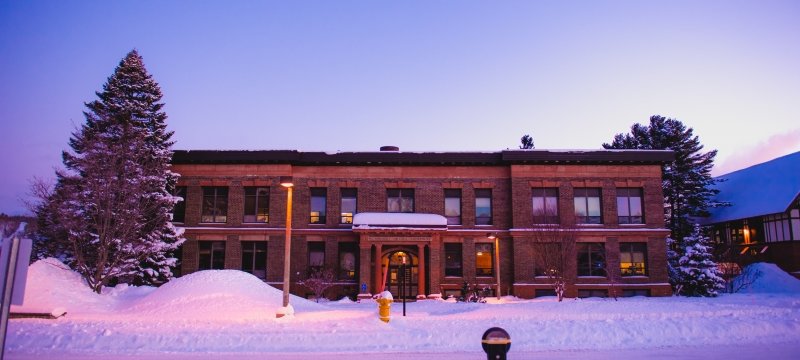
432	75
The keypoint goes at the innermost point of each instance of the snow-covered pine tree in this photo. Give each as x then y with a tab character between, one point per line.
112	204
697	272
675	275
687	181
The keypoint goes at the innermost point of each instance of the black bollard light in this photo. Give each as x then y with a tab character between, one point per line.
496	342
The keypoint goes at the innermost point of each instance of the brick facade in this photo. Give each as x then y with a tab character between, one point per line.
511	183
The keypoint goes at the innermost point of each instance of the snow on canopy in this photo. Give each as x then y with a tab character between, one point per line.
773	280
372	220
762	189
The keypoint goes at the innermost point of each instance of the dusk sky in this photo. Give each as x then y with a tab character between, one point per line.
424	76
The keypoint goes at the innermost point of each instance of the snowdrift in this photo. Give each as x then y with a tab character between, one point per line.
51	285
773	280
216	295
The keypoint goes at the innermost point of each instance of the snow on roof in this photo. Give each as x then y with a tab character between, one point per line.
412	220
766	188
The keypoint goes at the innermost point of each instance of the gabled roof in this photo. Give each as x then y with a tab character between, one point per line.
762	189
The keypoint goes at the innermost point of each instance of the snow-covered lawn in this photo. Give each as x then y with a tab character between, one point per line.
226	313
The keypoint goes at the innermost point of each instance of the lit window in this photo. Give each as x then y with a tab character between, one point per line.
256	204
319	200
348	205
347	260
633	259
484	259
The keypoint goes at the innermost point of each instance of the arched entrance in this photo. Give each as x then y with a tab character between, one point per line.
393	268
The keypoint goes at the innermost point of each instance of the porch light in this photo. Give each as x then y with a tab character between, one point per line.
286	181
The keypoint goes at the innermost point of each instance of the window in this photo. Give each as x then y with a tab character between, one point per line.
587	206
256	204
348	205
215	204
635	292
319	199
452	206
452	259
179	211
483	207
212	255
400	200
545	205
591	259
548	259
781	227
587	293
484	259
254	258
629	206
633	259
316	256
347	260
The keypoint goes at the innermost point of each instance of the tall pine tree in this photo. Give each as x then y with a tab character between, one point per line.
112	204
687	181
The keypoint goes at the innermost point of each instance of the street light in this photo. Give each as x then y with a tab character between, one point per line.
286	181
494	237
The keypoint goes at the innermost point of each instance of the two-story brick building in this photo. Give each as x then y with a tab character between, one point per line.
450	216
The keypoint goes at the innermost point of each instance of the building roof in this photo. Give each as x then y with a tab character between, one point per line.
762	189
504	157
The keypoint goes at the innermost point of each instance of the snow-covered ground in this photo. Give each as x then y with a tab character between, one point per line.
230	314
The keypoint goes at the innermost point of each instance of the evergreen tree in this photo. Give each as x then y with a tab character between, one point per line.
112	205
687	181
697	272
527	142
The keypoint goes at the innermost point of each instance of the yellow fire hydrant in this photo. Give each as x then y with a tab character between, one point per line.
385	300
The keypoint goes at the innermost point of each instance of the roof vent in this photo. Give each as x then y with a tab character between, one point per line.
390	148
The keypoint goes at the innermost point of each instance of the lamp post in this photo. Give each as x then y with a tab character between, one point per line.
286	181
494	237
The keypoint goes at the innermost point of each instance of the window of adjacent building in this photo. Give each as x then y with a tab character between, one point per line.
348	205
256	204
483	206
215	204
587	206
211	255
319	200
254	258
316	256
629	205
782	227
484	259
452	259
545	205
633	259
452	206
179	211
400	200
591	259
347	260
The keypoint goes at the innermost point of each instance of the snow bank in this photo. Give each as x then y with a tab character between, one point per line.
51	285
215	295
773	280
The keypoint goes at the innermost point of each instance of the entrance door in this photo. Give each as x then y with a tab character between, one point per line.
395	274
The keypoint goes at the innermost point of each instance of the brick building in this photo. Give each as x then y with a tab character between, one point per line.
450	216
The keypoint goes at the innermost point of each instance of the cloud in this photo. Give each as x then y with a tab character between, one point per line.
775	146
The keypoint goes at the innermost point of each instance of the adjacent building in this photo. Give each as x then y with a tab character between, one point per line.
436	220
762	222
